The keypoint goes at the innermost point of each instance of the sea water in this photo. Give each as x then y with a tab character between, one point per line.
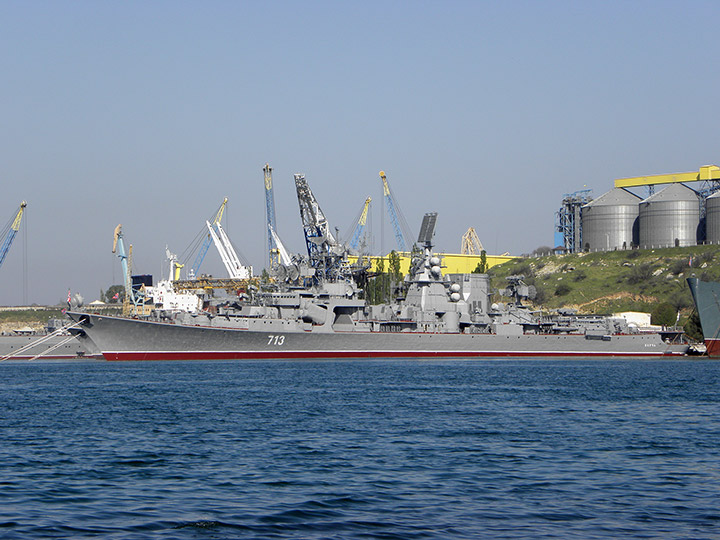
381	449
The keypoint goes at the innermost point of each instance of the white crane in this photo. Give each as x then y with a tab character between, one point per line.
284	255
232	263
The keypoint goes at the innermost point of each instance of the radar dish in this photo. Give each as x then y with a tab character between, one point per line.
280	272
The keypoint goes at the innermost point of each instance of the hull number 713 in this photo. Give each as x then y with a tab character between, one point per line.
276	340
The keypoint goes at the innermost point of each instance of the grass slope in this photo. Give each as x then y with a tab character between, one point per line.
607	282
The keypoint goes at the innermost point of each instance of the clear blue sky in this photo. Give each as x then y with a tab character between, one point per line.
149	113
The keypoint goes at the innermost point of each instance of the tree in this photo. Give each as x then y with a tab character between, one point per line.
379	287
541	295
664	314
394	264
692	326
113	290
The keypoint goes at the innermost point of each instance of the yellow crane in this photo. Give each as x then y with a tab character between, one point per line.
471	244
9	233
360	225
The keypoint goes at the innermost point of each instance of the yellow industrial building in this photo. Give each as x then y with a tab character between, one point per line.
452	263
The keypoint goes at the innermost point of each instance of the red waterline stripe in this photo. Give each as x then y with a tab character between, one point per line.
713	347
276	355
53	357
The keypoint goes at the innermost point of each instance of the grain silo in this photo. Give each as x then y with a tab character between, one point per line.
610	222
670	218
712	218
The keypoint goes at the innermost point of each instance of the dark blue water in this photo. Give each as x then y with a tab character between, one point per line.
396	450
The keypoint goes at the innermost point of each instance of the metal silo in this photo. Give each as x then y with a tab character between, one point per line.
712	218
610	221
670	218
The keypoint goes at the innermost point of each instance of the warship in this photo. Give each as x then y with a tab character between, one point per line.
54	342
315	308
706	295
438	316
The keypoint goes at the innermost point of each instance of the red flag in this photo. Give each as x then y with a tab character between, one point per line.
69	297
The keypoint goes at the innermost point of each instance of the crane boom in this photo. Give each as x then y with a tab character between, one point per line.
282	252
270	214
360	227
227	253
195	268
221	249
324	252
14	228
119	248
471	244
393	212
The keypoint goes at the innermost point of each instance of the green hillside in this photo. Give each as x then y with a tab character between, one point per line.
607	282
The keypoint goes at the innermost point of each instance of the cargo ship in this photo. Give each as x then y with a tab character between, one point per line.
437	316
706	295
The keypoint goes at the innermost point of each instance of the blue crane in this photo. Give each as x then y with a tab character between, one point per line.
402	231
273	250
10	232
119	248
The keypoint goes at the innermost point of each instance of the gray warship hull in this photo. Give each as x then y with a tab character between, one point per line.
136	339
29	347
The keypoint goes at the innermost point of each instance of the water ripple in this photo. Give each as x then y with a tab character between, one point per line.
341	450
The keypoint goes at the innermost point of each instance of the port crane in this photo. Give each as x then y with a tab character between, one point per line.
400	226
273	248
10	231
471	244
227	252
202	252
325	253
131	296
359	228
